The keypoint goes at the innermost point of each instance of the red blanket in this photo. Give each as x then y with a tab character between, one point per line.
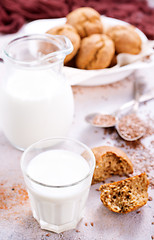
14	13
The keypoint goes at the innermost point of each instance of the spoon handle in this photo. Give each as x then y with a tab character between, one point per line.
137	93
145	97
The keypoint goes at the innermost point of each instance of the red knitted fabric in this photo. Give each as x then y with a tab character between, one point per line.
14	13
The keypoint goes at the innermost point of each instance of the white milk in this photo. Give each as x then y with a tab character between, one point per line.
35	105
58	208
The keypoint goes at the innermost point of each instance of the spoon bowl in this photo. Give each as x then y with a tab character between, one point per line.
130	127
95	119
101	120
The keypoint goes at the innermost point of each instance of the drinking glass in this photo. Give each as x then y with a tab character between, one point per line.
58	207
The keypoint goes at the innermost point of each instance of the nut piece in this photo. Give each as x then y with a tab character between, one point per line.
86	20
110	161
70	32
96	52
126	195
125	38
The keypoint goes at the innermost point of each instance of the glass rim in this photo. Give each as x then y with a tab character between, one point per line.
49	38
91	169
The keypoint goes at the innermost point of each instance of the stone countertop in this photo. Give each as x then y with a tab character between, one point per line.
98	223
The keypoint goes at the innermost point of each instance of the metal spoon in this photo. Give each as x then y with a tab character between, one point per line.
129	126
90	117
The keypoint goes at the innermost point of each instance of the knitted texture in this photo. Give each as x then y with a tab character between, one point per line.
14	13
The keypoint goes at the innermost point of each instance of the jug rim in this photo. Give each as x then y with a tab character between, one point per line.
62	42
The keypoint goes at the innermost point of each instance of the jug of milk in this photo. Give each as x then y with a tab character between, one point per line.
36	100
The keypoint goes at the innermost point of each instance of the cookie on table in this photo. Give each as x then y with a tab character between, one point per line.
126	195
96	52
125	38
110	161
86	20
70	32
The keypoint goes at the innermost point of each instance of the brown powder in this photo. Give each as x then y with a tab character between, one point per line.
10	197
141	154
130	126
77	90
104	120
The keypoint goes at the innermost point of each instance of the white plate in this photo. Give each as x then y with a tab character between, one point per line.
89	77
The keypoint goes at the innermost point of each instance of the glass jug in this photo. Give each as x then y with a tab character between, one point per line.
36	100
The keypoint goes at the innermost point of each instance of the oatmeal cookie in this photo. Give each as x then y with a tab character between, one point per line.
126	195
125	38
86	20
110	161
96	52
70	32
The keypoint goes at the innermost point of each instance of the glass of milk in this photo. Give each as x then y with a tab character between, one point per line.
36	100
58	174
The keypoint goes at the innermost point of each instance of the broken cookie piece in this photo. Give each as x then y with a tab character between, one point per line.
126	195
110	161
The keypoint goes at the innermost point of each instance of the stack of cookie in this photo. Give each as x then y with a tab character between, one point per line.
95	48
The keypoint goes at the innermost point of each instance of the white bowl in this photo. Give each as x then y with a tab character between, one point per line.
92	77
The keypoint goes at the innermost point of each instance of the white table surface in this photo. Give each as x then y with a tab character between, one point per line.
17	223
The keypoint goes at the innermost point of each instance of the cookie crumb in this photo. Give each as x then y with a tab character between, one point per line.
138	212
86	224
152	237
92	224
77	230
97	189
48	235
150	199
152	223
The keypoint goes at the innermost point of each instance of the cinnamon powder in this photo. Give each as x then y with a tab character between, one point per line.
12	196
104	120
131	126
